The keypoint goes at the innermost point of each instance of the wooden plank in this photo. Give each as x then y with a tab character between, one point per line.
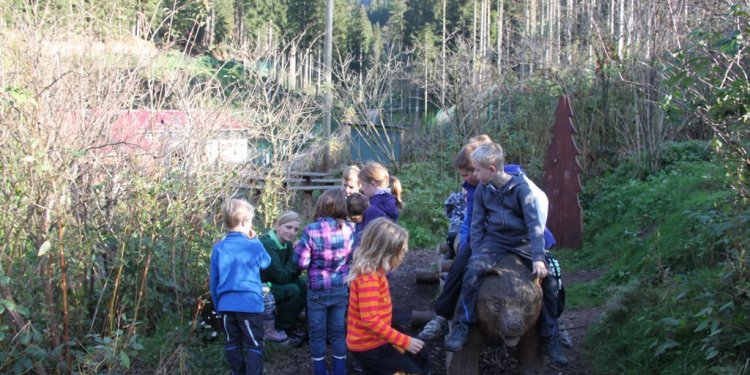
326	181
314	188
286	180
261	185
309	174
427	276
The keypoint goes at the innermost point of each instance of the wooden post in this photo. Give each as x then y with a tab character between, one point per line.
562	182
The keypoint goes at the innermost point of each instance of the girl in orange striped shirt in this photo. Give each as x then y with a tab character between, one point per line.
380	348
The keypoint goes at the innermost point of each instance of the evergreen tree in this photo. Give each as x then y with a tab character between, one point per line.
360	33
419	13
186	25
376	51
305	16
266	21
396	20
223	20
344	16
378	12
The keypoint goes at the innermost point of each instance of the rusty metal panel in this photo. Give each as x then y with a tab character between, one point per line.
562	180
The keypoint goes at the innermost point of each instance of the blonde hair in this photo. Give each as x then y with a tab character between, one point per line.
376	173
489	155
236	211
396	190
384	244
287	217
349	172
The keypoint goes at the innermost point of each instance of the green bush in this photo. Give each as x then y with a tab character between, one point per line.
671	243
425	188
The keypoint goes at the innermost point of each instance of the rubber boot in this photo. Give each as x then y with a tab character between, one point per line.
551	348
339	366
270	333
319	367
254	362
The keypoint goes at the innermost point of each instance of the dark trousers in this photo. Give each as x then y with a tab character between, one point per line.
387	360
290	299
445	304
244	345
479	263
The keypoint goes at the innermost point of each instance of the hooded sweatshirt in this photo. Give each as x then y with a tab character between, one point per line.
383	203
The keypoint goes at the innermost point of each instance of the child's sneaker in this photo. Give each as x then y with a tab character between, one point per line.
435	328
297	333
270	333
458	337
293	342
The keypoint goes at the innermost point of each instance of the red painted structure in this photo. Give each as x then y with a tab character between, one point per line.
562	182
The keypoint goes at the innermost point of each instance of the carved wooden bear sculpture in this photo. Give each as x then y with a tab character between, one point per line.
508	308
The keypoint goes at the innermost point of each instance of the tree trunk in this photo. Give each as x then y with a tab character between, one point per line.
442	74
500	8
474	45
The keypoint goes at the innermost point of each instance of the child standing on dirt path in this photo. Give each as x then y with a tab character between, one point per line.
236	291
383	191
324	250
380	348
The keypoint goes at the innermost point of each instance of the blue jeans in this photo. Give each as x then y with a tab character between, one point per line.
326	317
445	305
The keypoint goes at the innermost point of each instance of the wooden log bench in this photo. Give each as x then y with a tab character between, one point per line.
295	181
302	181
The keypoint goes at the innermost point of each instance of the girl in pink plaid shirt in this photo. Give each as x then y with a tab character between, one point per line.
325	250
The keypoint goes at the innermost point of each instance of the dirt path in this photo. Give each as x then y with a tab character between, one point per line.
409	296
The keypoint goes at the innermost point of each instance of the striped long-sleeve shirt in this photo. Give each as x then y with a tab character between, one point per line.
370	315
324	250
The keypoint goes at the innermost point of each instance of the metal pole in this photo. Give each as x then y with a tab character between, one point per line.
328	83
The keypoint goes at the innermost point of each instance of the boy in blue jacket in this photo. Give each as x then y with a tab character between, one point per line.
236	289
505	221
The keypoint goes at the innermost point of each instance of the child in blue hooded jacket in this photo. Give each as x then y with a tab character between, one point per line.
236	261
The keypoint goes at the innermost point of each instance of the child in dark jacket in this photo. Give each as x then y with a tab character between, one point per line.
288	284
383	191
356	205
505	222
236	290
445	304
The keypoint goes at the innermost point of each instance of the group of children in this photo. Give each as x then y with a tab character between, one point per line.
505	213
345	291
347	252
